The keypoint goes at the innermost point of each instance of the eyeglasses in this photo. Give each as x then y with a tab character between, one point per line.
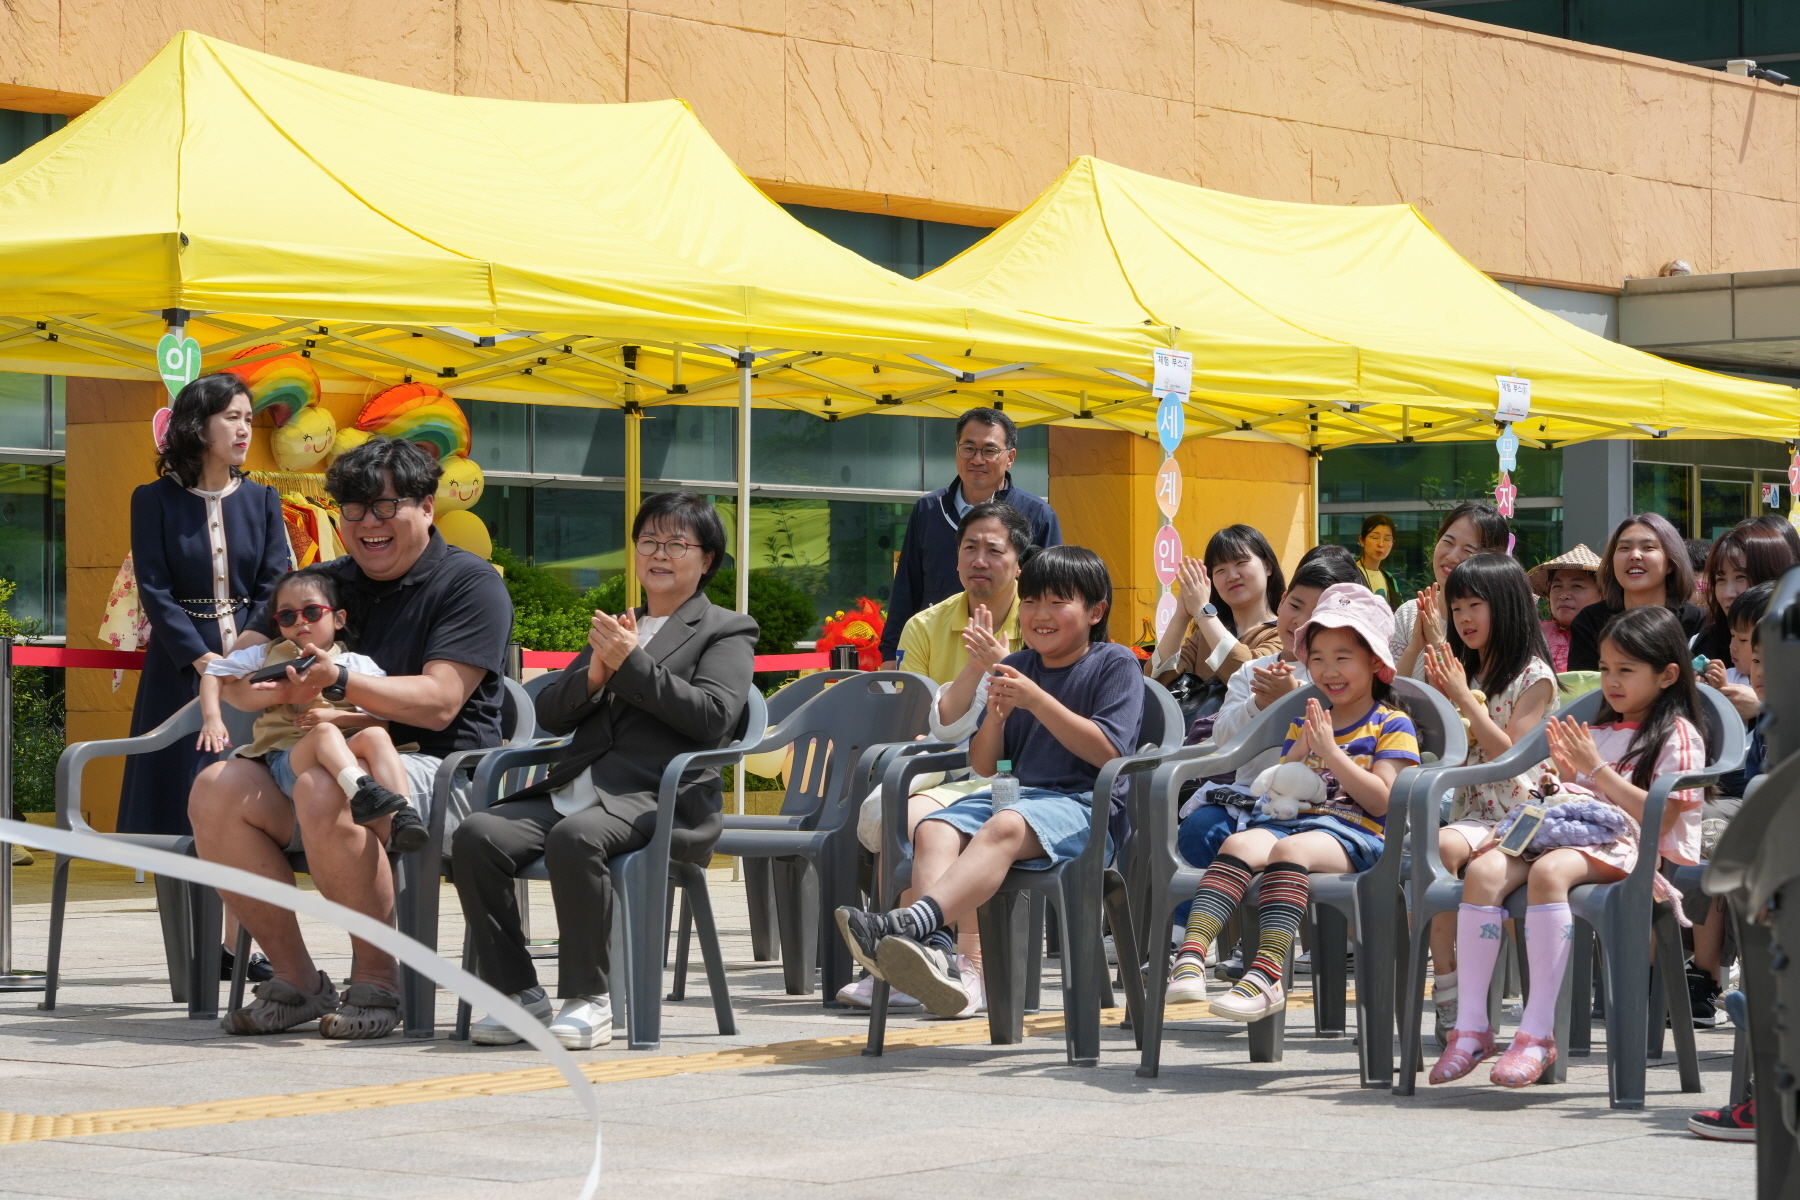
381	510
974	453
309	613
674	549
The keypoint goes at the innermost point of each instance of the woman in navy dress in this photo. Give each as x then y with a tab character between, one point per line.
208	546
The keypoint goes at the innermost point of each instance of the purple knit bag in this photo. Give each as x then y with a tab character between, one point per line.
1574	823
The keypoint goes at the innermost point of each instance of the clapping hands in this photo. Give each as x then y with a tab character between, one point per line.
1572	747
985	647
613	638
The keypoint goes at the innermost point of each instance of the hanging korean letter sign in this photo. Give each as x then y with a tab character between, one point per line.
1794	487
1172	380
1514	405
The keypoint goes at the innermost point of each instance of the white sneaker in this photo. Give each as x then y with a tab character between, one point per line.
490	1032
973	984
861	994
584	1022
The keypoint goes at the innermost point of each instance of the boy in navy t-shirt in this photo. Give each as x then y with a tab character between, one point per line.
1058	710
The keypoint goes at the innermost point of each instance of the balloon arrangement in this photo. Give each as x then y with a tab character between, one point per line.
861	627
307	438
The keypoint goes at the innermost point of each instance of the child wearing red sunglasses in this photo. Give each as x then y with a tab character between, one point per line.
345	742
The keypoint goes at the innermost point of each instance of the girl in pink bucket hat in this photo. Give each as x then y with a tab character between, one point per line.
1355	749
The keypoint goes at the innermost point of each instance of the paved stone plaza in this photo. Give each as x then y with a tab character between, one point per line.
815	1119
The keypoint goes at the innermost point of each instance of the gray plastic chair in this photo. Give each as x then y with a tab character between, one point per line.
1367	902
416	879
839	734
1078	891
1621	914
760	893
180	905
641	882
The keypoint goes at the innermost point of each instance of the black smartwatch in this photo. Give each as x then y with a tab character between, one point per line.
1207	610
335	693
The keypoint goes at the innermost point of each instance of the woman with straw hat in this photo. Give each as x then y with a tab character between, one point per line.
1570	582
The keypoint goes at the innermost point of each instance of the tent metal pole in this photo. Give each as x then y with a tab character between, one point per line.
634	482
745	383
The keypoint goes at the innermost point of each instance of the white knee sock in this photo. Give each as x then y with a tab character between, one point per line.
349	779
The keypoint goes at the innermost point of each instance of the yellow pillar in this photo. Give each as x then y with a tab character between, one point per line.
1102	487
634	486
109	453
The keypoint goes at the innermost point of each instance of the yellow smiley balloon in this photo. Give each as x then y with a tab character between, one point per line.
305	440
461	484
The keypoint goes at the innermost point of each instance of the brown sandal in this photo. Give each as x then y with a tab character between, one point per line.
280	1006
368	1011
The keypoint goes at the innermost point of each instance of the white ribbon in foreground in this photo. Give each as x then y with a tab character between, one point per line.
413	954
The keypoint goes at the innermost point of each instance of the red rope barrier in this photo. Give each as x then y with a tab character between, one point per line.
556	660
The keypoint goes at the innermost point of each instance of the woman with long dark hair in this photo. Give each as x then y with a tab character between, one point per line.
1645	564
1207	639
207	546
1747	554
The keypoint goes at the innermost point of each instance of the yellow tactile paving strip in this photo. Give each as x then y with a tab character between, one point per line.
26	1127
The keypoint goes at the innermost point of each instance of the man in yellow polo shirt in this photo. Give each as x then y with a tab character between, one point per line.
987	564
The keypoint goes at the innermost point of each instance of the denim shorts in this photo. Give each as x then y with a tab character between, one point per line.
1360	846
1061	821
277	762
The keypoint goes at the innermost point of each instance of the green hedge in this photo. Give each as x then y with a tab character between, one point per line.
548	614
38	718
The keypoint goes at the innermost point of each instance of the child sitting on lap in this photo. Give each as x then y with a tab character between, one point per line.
351	745
1058	710
1364	744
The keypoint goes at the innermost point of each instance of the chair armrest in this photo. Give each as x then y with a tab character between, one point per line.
75	757
895	788
496	761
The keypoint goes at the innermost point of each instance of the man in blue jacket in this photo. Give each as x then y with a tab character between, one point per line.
987	442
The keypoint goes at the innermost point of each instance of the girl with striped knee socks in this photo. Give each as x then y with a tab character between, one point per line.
1363	744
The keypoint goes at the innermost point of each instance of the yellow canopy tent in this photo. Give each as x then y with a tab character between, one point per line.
501	250
1429	331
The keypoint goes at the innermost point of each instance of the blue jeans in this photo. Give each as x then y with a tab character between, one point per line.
1201	834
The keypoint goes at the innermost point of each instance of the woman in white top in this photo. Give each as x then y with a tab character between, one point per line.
1469	528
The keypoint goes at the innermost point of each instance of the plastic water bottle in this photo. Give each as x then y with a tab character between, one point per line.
1005	785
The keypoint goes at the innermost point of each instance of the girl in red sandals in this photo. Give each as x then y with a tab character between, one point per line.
1648	725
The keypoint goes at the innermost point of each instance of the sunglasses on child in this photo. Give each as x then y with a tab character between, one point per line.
309	613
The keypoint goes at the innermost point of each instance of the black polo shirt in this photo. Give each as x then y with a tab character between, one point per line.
450	606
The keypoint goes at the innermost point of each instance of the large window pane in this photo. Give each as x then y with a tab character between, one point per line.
506	511
1454	471
1665	489
836	551
866	452
499	434
578	534
24	411
686	442
1723	503
574	441
31	541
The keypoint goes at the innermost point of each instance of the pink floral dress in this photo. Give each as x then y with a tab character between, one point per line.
1488	802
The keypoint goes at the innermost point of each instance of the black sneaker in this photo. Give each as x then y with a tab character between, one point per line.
863	931
926	972
373	802
408	834
257	970
1703	994
1734	1124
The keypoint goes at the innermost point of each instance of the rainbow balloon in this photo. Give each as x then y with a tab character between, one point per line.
280	386
418	413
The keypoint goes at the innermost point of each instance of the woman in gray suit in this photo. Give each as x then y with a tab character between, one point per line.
666	679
